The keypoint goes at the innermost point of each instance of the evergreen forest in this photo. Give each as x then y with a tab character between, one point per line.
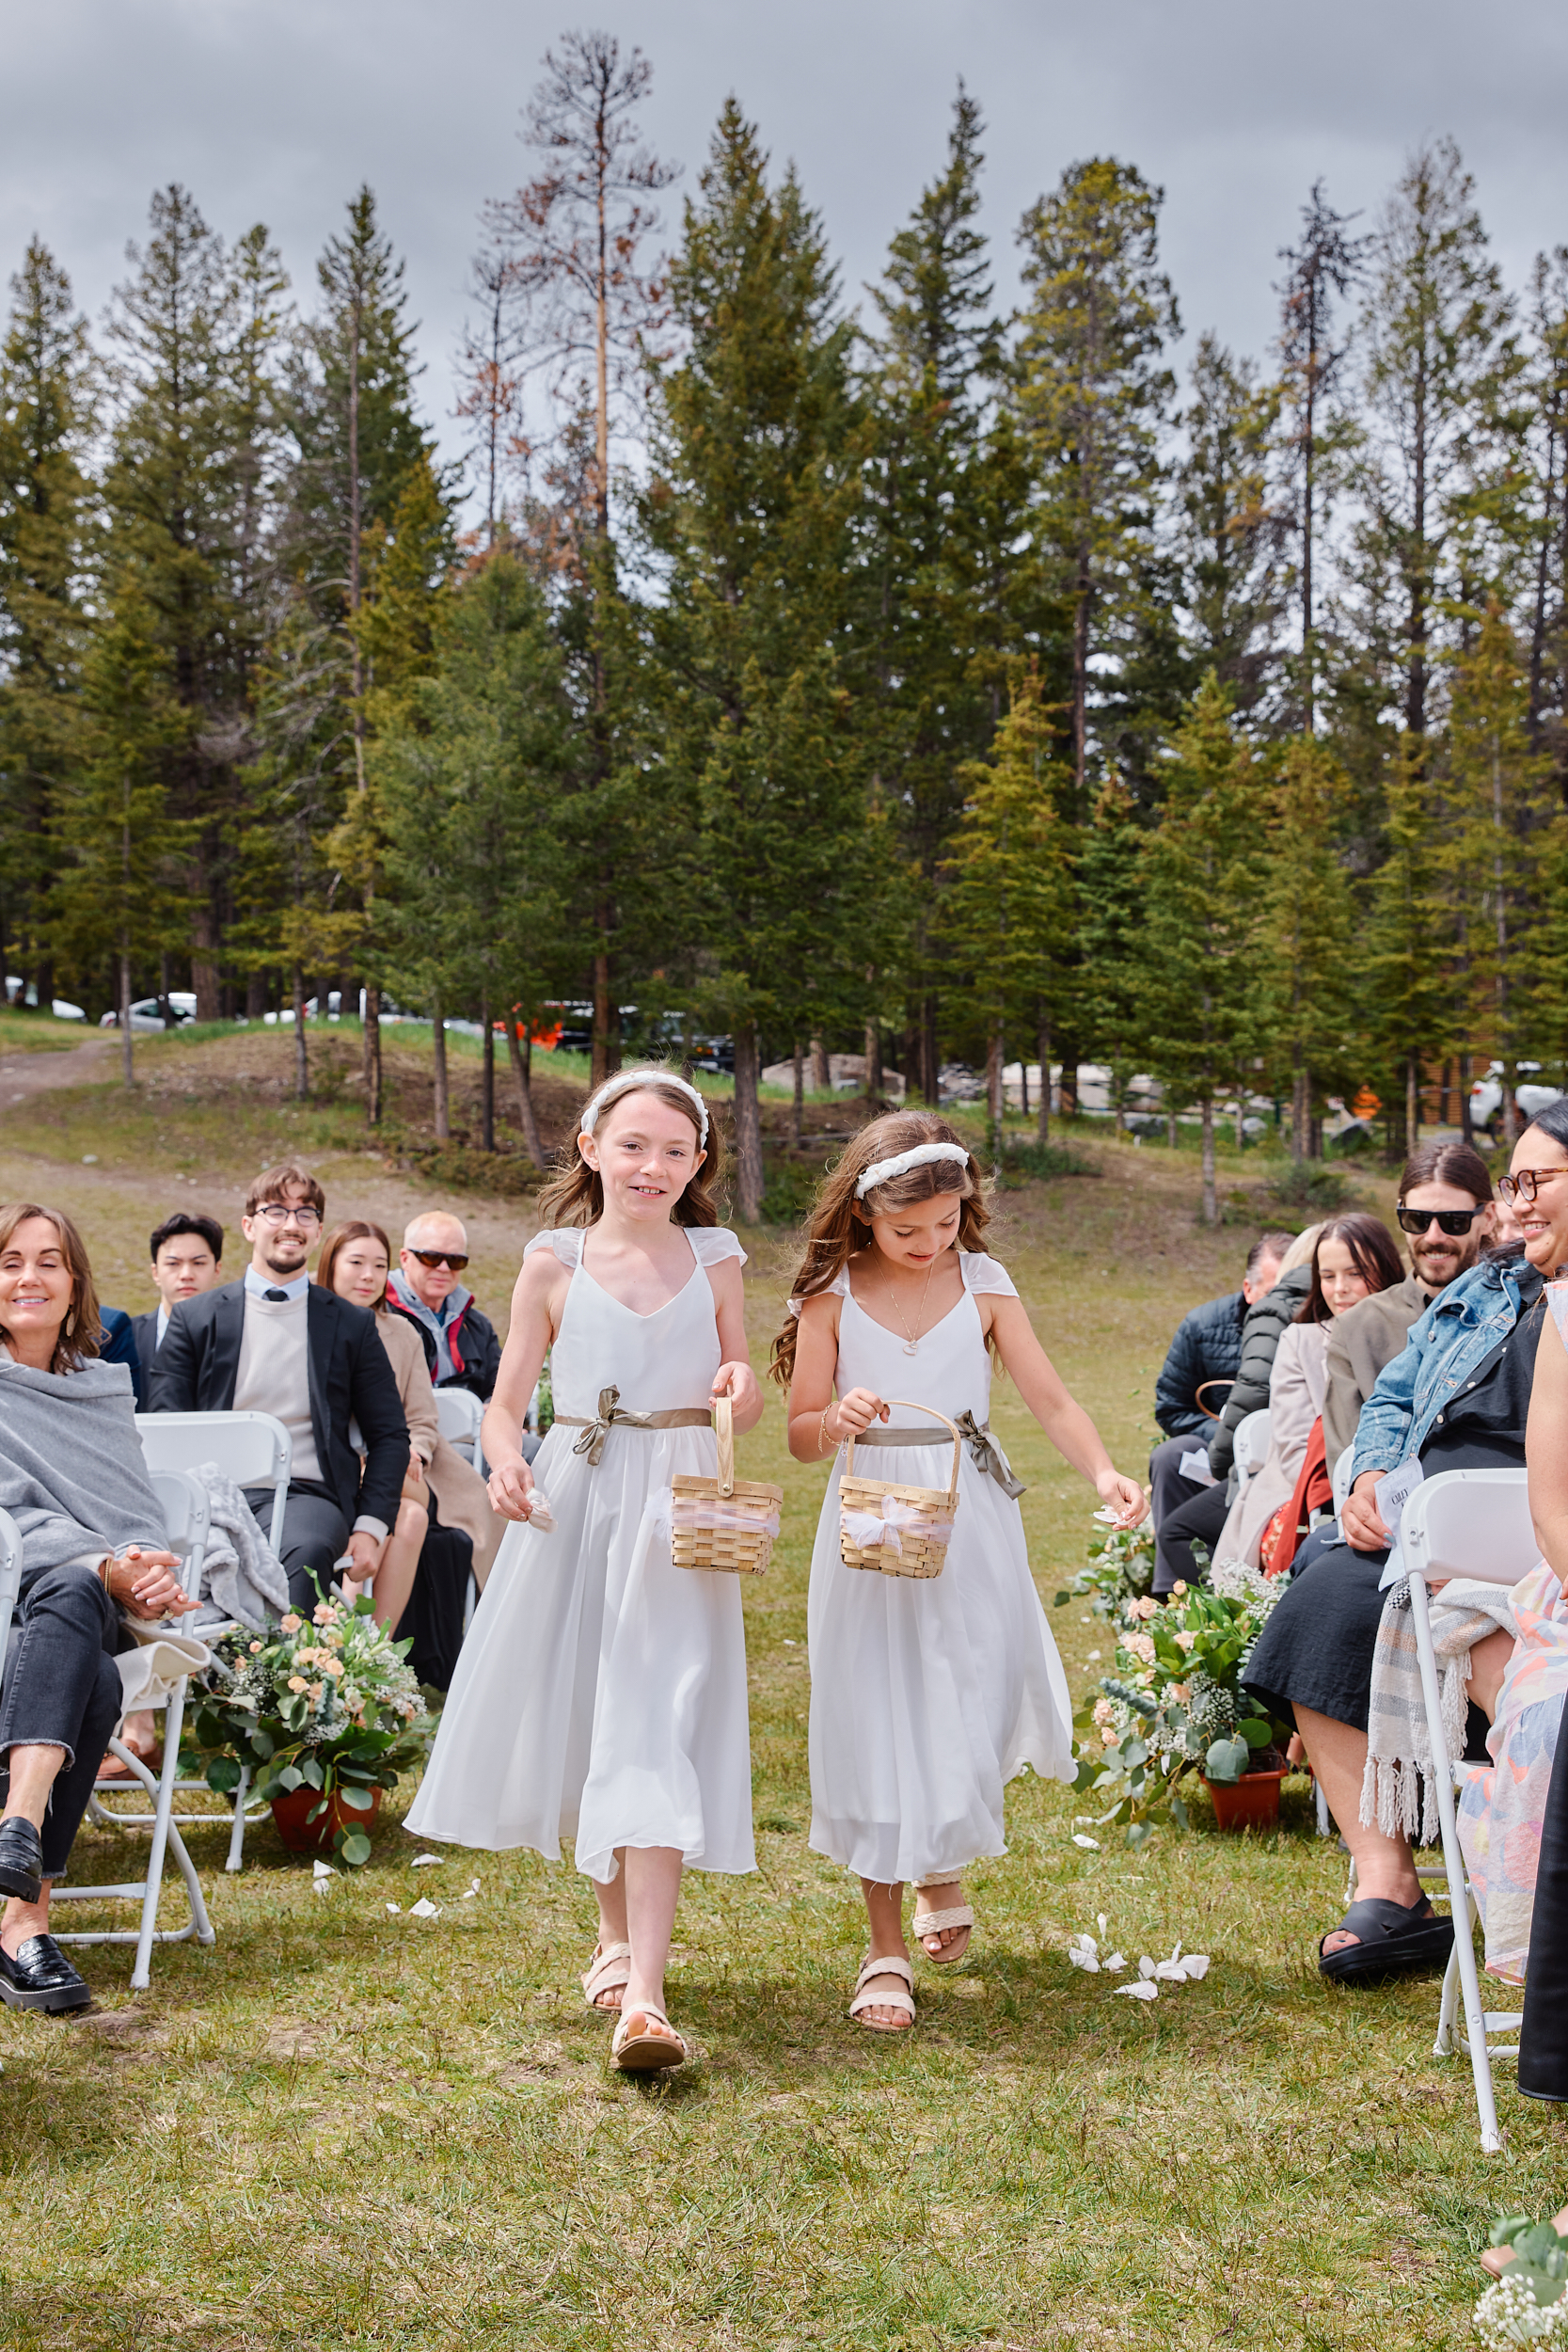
810	667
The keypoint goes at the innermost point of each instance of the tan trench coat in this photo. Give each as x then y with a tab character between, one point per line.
460	1500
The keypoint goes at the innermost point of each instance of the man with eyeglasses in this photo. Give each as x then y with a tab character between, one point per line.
1449	1216
459	1344
1456	1397
276	1342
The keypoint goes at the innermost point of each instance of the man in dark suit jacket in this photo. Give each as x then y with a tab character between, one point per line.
278	1343
186	1254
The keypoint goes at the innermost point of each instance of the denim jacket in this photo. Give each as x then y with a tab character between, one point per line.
1458	1331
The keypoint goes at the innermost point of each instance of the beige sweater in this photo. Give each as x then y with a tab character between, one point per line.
273	1374
461	1498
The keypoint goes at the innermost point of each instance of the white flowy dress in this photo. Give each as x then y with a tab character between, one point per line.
928	1695
600	1695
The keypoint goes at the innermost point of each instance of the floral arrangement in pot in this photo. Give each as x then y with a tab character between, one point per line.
328	1706
1175	1703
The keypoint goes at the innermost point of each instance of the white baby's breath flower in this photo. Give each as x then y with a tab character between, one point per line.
1507	2313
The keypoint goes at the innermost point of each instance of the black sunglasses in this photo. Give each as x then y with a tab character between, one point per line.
440	1257
1455	1222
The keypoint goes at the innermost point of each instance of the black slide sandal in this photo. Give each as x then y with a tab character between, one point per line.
1395	1940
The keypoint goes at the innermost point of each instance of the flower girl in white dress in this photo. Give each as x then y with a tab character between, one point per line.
601	1693
927	1695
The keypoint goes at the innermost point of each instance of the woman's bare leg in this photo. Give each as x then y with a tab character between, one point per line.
399	1563
1383	1865
653	1882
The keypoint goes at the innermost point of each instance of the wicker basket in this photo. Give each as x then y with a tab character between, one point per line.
726	1522
917	1521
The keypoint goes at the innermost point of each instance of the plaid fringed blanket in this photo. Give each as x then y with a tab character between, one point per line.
1399	1750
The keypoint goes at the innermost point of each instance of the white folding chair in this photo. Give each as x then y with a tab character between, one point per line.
1342	1479
184	1507
254	1449
1472	1524
460	1417
1251	1444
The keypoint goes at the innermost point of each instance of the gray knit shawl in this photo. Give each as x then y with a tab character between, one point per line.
73	1474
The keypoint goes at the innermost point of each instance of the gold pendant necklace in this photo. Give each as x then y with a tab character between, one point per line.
912	1339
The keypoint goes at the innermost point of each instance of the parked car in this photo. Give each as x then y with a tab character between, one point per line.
334	1008
147	1014
25	993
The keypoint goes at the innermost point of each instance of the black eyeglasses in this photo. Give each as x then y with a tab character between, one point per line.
440	1257
279	1212
1454	1222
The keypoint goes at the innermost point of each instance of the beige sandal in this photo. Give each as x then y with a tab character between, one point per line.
637	2049
893	1965
609	1971
933	1923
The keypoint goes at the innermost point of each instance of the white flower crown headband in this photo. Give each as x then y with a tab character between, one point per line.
625	1079
921	1156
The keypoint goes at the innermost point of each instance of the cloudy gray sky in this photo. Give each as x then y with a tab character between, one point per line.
277	109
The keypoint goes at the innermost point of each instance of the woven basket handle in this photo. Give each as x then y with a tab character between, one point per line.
909	1404
723	1422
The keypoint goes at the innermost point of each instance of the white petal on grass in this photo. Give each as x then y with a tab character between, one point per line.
1100	1921
424	1862
1171	1971
1143	1990
425	1908
322	1870
1079	1839
1145	1967
397	1907
1195	1966
1082	1952
1114	1965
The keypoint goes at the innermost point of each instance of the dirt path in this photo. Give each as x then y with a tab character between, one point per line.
22	1074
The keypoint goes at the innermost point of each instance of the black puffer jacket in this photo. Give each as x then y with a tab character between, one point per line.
1259	1338
1206	1346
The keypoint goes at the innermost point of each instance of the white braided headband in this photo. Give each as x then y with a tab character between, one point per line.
923	1154
625	1079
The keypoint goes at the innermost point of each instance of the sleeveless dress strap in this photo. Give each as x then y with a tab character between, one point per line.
566	1241
711	1244
837	1288
984	1277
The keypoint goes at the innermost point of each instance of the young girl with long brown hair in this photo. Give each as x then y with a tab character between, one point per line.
928	1695
601	1694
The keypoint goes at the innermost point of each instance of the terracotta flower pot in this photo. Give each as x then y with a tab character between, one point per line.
301	1836
1250	1803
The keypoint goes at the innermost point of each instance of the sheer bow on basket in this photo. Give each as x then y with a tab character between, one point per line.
725	1523
903	1530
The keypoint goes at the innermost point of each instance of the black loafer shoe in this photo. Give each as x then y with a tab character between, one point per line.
20	1859
40	1977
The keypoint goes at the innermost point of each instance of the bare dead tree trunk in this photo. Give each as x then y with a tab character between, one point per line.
302	1046
488	1078
821	1078
873	1061
748	1124
520	1055
443	1095
1210	1205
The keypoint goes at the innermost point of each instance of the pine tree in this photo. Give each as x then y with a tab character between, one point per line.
1229	533
1195	969
1109	896
1006	912
1305	921
48	393
469	770
1546	449
750	509
1409	945
1093	396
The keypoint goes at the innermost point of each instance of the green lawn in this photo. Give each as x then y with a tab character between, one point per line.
344	2127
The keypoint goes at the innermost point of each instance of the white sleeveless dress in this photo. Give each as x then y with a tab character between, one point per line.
600	1695
928	1695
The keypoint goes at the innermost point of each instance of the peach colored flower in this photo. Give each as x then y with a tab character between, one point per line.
297	1682
1146	1608
292	1624
1185	1640
1141	1646
1182	1691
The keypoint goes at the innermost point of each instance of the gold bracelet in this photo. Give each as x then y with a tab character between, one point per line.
822	1427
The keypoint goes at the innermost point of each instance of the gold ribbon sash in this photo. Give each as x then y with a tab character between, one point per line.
985	1452
610	1416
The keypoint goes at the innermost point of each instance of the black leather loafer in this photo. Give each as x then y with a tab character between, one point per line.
20	1859
40	1977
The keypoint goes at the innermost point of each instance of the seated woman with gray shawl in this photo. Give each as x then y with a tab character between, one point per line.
73	1479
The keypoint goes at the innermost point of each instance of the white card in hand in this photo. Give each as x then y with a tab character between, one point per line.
1391	1493
1194	1467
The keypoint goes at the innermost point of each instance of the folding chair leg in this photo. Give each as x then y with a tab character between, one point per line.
1326	1824
174	1716
1449	2007
1458	1893
236	1835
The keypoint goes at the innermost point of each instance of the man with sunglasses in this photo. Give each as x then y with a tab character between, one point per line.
1456	1397
459	1344
277	1343
1448	1214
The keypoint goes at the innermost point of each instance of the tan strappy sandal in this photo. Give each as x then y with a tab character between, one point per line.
890	1964
935	1922
637	2050
609	1971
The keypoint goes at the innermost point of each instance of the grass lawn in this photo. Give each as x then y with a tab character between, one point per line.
345	2127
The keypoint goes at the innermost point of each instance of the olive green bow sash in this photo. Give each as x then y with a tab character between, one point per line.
610	1416
984	1450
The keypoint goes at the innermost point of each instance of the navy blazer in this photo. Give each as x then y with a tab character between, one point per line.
351	1380
144	1330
